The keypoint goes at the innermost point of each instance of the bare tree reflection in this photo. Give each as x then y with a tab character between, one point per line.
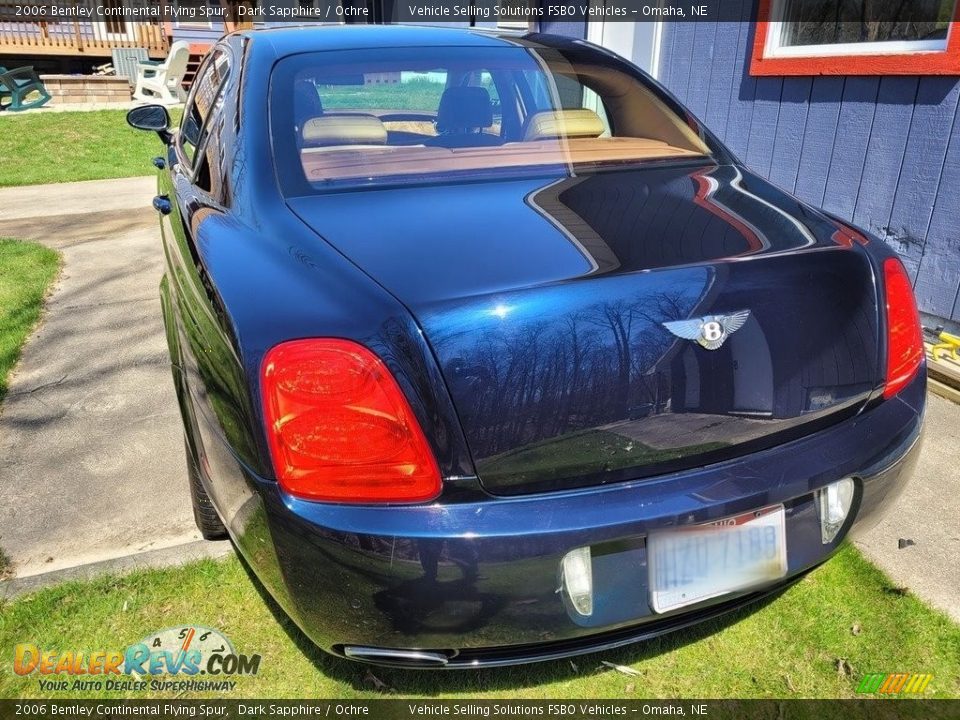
577	370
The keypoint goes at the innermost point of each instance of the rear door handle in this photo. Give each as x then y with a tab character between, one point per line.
159	163
161	203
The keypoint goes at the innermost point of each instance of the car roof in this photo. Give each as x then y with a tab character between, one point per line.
289	40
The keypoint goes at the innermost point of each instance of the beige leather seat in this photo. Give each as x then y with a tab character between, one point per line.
332	130
552	124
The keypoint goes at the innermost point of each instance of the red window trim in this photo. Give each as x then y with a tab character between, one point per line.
946	62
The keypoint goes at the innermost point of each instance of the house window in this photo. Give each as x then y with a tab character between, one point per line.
856	37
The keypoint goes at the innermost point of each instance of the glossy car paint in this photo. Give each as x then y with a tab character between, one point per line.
566	288
474	574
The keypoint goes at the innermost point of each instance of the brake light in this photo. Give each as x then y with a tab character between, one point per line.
904	337
339	427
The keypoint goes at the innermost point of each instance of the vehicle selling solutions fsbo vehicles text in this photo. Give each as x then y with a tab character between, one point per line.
482	12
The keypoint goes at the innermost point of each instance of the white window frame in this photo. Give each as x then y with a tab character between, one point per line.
638	42
513	24
773	49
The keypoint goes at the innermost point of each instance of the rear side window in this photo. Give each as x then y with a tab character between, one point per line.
205	99
359	118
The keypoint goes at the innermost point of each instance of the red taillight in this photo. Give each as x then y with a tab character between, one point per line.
904	337
340	428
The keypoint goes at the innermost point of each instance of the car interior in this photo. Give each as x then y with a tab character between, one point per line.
373	124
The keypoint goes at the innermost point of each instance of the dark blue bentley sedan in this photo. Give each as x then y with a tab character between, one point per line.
487	350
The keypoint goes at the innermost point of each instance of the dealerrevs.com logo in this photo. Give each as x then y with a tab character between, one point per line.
186	658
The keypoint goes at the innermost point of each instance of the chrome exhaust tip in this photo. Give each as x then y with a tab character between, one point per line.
399	658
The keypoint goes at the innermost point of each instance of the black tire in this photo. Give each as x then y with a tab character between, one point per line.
204	514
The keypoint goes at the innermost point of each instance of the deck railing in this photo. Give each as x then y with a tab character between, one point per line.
93	33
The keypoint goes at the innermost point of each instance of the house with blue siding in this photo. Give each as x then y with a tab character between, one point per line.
866	127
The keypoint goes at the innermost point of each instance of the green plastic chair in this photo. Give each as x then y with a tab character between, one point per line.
17	85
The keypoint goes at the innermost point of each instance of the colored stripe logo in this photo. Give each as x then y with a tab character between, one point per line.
894	683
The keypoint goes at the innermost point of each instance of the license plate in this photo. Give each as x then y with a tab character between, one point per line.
691	564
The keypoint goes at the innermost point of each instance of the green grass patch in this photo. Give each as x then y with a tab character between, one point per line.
26	271
413	96
37	148
844	615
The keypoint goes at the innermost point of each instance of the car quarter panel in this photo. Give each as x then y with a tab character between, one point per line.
244	275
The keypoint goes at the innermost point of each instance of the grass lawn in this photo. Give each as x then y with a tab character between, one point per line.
844	615
38	148
26	271
424	96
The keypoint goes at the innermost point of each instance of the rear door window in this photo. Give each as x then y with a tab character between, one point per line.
204	99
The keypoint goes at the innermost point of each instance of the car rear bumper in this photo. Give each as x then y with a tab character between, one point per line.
476	583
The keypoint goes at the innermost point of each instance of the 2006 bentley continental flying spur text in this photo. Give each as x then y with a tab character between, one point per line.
487	350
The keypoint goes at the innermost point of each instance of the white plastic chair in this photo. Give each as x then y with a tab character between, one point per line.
162	81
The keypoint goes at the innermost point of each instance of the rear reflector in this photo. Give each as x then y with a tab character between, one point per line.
904	336
577	572
835	501
340	428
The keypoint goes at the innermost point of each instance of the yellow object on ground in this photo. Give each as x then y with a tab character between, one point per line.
948	344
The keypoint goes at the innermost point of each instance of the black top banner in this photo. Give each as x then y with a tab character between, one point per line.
504	13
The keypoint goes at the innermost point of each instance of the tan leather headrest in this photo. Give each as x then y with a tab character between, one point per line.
564	123
329	130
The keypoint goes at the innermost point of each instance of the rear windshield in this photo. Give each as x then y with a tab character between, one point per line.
361	118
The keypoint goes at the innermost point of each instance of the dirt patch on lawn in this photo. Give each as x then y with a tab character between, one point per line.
6	566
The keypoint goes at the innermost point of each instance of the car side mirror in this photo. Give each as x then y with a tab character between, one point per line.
151	117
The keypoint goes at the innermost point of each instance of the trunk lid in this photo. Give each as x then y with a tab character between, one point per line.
565	315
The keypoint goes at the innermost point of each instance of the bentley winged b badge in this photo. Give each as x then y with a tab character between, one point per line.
711	331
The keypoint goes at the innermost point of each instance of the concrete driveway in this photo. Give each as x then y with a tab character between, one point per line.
928	514
91	453
91	457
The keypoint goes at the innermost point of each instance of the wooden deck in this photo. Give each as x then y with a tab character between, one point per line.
78	37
